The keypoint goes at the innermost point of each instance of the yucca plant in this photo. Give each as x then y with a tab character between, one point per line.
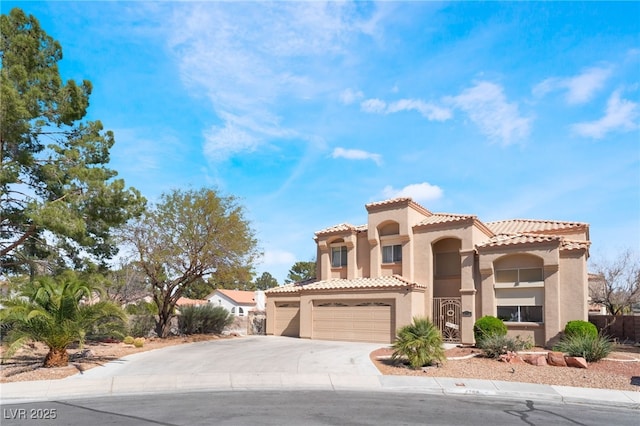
420	343
55	311
591	348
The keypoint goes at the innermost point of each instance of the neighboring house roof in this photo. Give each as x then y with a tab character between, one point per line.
185	301
394	281
516	226
240	297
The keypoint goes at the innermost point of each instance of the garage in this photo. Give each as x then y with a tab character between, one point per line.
355	321
287	321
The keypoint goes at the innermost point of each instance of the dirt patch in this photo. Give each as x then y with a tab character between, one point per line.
26	364
621	374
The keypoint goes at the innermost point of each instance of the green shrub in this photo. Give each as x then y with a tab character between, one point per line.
138	342
488	326
591	348
579	327
128	340
141	325
142	308
420	343
203	319
495	345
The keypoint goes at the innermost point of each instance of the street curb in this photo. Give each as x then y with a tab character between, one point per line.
78	388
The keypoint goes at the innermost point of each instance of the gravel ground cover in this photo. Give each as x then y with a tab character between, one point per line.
621	370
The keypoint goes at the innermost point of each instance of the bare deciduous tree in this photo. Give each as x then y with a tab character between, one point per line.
617	283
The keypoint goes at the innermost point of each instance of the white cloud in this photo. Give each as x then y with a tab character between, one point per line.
487	107
427	110
278	258
620	115
419	192
250	61
349	96
373	106
356	154
580	88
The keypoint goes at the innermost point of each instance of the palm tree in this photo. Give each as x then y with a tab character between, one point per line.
420	343
57	312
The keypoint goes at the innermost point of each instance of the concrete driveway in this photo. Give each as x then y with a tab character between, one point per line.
251	354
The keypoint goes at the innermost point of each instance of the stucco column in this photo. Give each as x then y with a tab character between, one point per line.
375	256
467	296
407	257
488	302
306	316
352	259
551	302
325	260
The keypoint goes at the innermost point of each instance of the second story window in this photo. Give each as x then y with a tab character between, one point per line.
392	254
338	256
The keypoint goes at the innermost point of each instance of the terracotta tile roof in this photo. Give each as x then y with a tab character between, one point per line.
241	297
506	240
185	301
575	245
516	226
438	218
343	227
342	284
404	201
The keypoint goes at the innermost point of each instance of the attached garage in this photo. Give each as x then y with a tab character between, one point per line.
355	310
355	321
287	321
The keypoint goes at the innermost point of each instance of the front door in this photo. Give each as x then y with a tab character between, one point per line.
446	316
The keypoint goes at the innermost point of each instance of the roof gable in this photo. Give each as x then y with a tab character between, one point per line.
239	297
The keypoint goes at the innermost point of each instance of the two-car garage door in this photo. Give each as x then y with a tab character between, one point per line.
356	321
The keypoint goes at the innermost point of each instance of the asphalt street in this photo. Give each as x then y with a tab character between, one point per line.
309	408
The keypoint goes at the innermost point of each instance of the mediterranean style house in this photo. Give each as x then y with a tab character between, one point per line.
407	262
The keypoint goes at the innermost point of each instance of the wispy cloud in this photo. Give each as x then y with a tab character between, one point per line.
487	106
420	192
620	115
430	111
253	61
349	96
275	257
580	88
356	154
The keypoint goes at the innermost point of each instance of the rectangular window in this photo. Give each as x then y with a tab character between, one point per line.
520	313
525	275
338	256
392	254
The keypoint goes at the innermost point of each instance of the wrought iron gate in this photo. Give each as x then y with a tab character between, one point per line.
446	316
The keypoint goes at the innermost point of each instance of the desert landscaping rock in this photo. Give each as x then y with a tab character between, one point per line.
576	362
556	359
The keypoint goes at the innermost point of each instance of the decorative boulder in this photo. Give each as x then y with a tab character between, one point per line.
576	361
537	360
557	359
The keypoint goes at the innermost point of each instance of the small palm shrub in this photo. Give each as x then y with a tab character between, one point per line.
203	319
488	326
138	342
591	348
420	343
581	328
495	345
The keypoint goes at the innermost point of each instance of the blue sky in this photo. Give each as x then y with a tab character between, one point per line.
308	111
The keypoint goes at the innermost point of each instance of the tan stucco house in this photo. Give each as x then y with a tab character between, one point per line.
407	261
